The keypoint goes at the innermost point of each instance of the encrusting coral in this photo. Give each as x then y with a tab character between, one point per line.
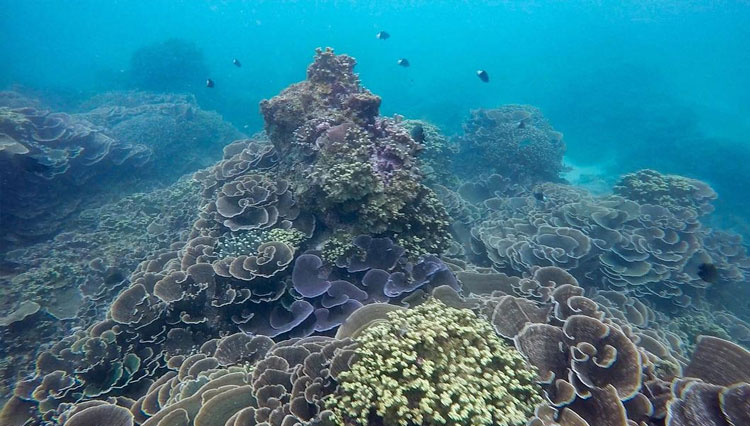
435	365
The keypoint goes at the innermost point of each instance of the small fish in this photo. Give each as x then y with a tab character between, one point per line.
382	35
708	272
521	125
539	195
403	62
236	62
209	83
417	133
482	74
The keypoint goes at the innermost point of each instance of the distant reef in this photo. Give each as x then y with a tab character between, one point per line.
345	268
53	164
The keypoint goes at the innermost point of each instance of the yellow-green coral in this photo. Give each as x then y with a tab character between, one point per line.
291	237
435	365
336	246
349	182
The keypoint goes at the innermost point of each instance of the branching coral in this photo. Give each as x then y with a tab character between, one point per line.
435	365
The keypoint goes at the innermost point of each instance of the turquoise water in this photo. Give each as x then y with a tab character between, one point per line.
629	83
123	116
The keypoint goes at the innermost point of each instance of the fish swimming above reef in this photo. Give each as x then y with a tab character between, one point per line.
417	133
236	62
539	195
521	125
482	74
209	83
382	35
708	272
403	62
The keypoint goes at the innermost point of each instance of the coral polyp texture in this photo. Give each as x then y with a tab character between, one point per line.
434	365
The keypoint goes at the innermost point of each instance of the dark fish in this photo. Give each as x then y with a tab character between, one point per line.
521	124
209	83
539	195
708	272
417	133
482	74
382	35
236	62
403	62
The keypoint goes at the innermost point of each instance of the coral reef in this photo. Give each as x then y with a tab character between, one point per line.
74	277
596	366
182	137
434	365
612	242
346	164
312	277
47	162
514	141
670	191
241	380
436	155
716	388
53	164
203	288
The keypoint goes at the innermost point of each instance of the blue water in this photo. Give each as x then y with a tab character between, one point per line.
609	74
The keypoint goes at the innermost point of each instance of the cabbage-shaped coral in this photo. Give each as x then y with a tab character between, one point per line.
435	365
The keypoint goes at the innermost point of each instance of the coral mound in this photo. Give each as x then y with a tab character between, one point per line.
349	166
435	365
515	141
